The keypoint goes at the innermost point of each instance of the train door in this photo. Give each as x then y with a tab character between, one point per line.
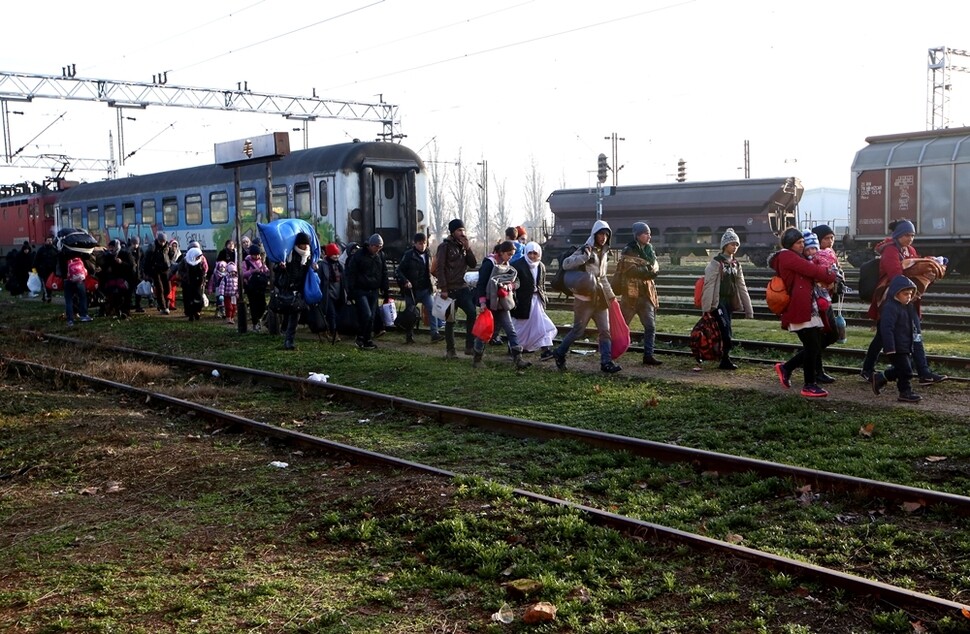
388	203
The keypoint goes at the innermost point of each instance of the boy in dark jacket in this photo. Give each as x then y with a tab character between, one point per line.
414	276
899	328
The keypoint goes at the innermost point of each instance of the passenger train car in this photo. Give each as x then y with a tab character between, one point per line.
920	176
348	191
684	218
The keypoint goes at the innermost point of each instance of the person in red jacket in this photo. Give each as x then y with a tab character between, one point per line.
892	251
802	314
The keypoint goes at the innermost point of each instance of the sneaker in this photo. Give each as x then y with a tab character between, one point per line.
368	345
727	364
165	311
610	368
70	323
380	333
783	376
813	391
86	318
866	376
879	381
547	355
435	337
648	359
822	377
560	360
909	397
932	378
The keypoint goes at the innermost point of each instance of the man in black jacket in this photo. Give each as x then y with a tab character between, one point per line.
414	276
366	277
45	261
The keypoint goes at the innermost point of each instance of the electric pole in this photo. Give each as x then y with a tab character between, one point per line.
614	140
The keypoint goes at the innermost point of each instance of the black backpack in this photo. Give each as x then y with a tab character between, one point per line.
558	282
868	279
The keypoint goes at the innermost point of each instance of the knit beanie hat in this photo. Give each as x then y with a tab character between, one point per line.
302	238
729	237
640	227
823	230
902	228
790	237
375	240
520	232
331	249
811	240
455	225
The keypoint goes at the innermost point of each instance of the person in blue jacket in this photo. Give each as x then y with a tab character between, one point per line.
899	330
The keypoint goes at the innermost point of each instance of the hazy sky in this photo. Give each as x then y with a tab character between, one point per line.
510	81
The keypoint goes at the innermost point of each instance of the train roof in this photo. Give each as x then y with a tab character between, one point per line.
749	192
930	147
330	158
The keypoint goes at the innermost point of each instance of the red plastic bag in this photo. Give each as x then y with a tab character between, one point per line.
619	331
54	283
484	326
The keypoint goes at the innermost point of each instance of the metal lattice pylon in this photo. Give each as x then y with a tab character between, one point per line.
938	86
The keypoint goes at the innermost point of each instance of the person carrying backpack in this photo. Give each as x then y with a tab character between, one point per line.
801	316
77	267
592	302
725	292
497	282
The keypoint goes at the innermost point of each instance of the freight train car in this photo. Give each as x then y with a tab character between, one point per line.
684	218
921	176
348	191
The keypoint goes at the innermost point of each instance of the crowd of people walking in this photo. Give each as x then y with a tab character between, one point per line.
509	284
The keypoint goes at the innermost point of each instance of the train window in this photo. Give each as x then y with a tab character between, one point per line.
301	200
170	212
110	216
148	212
279	201
247	202
324	199
389	188
76	217
219	208
127	214
705	236
94	221
193	209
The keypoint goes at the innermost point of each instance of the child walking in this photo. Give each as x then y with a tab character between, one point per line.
217	286
230	291
726	292
899	328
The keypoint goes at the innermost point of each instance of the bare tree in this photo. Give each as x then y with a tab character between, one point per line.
459	193
482	226
438	173
501	218
534	200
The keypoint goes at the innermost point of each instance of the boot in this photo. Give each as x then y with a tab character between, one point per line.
477	361
409	338
518	361
648	359
450	335
727	364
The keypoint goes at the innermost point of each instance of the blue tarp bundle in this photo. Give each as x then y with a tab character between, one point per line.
278	239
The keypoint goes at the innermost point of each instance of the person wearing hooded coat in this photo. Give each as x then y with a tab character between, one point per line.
291	276
536	331
892	251
192	272
899	328
593	302
45	261
801	316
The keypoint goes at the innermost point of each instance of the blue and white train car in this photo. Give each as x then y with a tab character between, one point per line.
347	191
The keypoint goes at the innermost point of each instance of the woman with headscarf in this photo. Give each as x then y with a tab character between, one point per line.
536	331
892	251
802	315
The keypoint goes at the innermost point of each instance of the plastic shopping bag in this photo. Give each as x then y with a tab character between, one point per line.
619	331
484	325
388	314
34	285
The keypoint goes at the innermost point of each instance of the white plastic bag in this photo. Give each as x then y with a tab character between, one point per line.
144	289
34	285
443	309
389	313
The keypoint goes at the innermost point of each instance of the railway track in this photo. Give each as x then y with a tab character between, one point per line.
701	461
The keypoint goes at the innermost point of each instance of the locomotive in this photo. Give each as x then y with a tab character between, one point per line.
920	176
348	191
684	218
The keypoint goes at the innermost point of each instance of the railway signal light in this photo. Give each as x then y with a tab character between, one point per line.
601	168
681	171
